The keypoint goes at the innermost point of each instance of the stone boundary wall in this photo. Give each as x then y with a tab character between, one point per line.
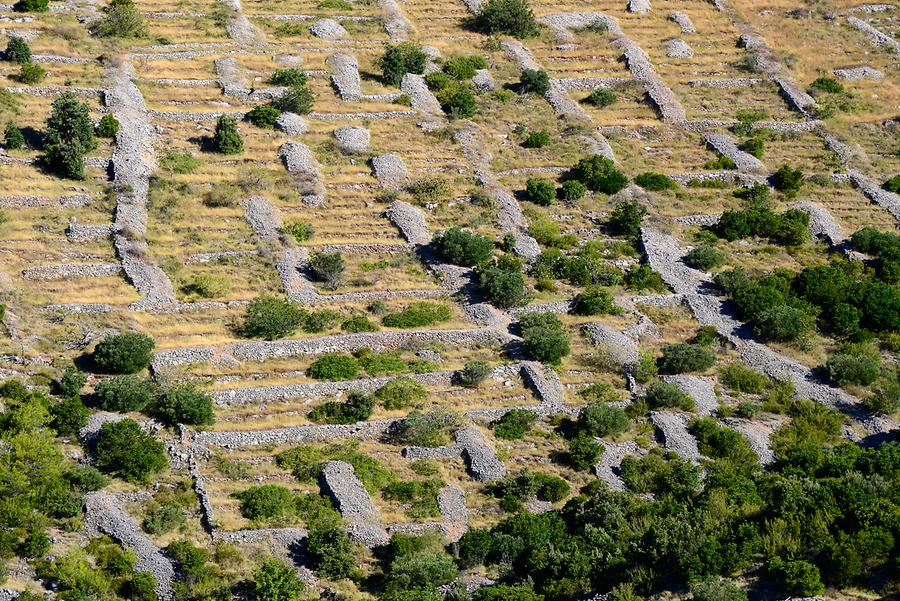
67	271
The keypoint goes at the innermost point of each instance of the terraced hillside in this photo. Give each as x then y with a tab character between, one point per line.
476	300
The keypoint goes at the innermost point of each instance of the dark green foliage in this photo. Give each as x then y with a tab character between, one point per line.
527	484
121	19
263	116
536	139
534	81
594	301
328	268
655	182
126	451
584	452
758	219
704	258
272	318
506	592
13	138
661	395
642	277
514	424
71	382
601	97
510	17
885	400
357	408
543	337
474	373
717	589
400	393
17	50
783	323
296	99
32	6
69	136
892	184
502	282
108	127
400	59
540	191
754	146
719	442
267	502
124	393
226	138
164	519
599	174
464	67
330	552
123	353
419	495
274	580
334	367
289	77
796	578
31	73
787	180
425	429
418	315
685	357
853	367
421	571
85	478
738	377
179	162
601	419
358	324
457	101
69	415
462	247
723	162
571	191
829	85
299	230
184	404
626	219
35	545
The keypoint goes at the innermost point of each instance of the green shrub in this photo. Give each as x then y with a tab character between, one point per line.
69	416
457	101
17	50
319	321
400	59
379	364
330	552
226	138
108	127
626	219
661	394
430	190
737	377
358	324
268	502
796	578
207	285
705	336
474	374
13	138
164	519
853	368
509	17
540	191
418	315
274	580
71	382
124	394
584	452
601	419
464	67
271	318
717	589
299	230
126	451
123	353
121	19
400	393
425	429
601	97
31	73
502	282
85	478
462	247
754	146
885	399
642	277
32	6
655	182
684	357
543	337
179	162
357	408
829	85
723	162
787	181
35	545
704	258
571	191
514	424
534	81
594	301
327	267
536	139
334	367
290	77
892	184
783	323
296	99
184	404
69	136
263	116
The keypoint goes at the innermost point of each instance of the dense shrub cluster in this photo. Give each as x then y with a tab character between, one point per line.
461	247
418	315
357	408
69	136
514	424
543	337
758	219
510	17
502	282
599	174
587	267
685	357
400	59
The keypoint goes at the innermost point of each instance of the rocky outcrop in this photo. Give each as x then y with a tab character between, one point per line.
390	171
103	514
726	146
678	48
355	504
410	221
857	73
352	139
328	29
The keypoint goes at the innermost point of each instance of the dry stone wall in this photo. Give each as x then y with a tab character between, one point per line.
355	504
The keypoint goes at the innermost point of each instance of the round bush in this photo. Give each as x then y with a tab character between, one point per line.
266	502
289	77
685	357
124	393
534	81
358	324
400	59
184	404
536	139
263	116
31	73
599	174
655	182
540	191
513	424
123	353
661	394
328	268
126	451
602	419
704	257
584	452
464	67
226	138
571	191
474	373
17	50
783	323
544	337
852	368
510	17
400	393
334	367
462	247
418	315
13	138
594	301
272	318
108	127
296	99
601	97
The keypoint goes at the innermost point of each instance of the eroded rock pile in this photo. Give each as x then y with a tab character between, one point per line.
352	139
678	48
390	171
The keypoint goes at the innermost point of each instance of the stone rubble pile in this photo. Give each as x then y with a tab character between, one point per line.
757	434
345	76
483	81
390	171
698	388
103	514
821	223
639	6
292	124
422	99
619	347
879	38
239	27
452	503
264	218
480	457
726	146
607	468
676	437
355	504
230	78
395	23
328	29
733	83
678	48
301	163
857	73
410	221
684	21
545	384
352	139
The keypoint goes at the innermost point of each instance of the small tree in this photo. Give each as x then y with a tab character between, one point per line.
263	116
544	337
457	101
121	19
602	419
655	182
680	358
601	97
540	191
124	393
510	17
584	452
184	404
297	99
400	59
69	416
462	247
124	353
69	136
126	451
276	581
13	138
626	219
594	301
787	180
514	424
17	50
599	174
227	138
330	552
571	191
503	283
536	139
328	268
534	81
108	127
272	318
783	323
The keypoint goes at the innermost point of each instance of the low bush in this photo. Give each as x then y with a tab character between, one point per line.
540	191
783	323
601	97
543	337
502	282
418	315
737	377
584	452
121	19
327	267
179	162
704	258
462	247
271	318
288	77
514	424
400	393
601	419
571	191
31	73
464	67
334	367
126	451
400	59
268	502
207	285
474	373
661	394
787	180
227	138
534	81
599	174
685	357
723	162
222	195
754	146
164	519
69	416
892	184
298	229
509	17
829	85
358	324
594	301
457	100
263	116
123	353
642	277
184	404
296	99
124	394
655	182
107	127
626	219
357	408
425	429
430	190
536	139
853	368
13	139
